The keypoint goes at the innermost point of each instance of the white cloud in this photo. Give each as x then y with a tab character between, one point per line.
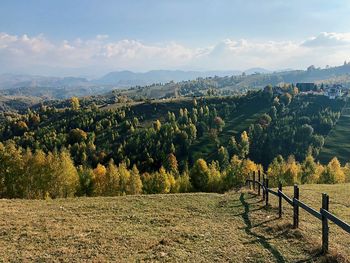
328	40
39	55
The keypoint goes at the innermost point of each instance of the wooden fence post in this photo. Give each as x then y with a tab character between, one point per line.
280	200
263	181
259	180
296	207
254	181
325	228
267	192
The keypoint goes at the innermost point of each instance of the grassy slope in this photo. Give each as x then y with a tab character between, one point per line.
233	227
236	123
338	141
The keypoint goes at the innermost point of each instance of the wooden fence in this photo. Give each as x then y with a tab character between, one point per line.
323	214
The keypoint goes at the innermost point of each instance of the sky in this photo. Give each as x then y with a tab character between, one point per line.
93	37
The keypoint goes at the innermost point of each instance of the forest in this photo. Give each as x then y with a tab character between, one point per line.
82	149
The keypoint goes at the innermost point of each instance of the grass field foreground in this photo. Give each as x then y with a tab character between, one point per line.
199	227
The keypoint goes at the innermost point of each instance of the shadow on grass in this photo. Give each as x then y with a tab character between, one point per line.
259	238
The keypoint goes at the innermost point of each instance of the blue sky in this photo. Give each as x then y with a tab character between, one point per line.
41	36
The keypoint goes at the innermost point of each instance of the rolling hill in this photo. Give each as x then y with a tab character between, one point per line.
165	83
337	141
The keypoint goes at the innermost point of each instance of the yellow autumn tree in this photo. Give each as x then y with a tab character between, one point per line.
276	170
214	182
124	178
233	175
200	175
346	170
248	167
134	186
100	179
75	103
37	174
292	172
68	176
244	145
171	164
333	173
112	187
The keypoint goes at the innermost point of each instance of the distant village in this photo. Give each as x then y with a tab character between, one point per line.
331	91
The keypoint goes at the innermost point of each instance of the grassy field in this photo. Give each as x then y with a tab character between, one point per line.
337	142
231	227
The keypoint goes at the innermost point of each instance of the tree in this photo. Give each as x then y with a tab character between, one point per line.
86	181
171	164
219	123
232	146
268	92
265	120
135	183
112	186
11	171
223	157
333	173
183	183
214	182
276	170
77	135
200	175
157	125
244	145
286	99
346	170
234	174
67	176
124	174
309	168
100	179
156	183
292	173
75	104
37	177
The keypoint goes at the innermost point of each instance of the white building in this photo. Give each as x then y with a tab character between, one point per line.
334	92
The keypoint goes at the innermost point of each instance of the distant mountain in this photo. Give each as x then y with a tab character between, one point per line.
10	81
60	88
129	78
257	70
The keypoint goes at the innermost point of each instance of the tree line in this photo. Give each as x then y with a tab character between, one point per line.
38	175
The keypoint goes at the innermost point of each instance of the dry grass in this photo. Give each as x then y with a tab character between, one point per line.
234	227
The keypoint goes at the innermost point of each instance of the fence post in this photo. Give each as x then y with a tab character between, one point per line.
259	180
280	200
266	191
325	228
263	182
296	207
254	181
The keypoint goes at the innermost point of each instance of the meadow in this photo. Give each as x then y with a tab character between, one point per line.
197	227
337	141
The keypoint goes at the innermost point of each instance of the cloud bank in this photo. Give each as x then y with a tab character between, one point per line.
39	55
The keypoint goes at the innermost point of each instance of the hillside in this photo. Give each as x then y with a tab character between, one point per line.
159	84
232	227
337	141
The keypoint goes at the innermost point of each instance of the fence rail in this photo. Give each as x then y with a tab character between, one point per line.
323	215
